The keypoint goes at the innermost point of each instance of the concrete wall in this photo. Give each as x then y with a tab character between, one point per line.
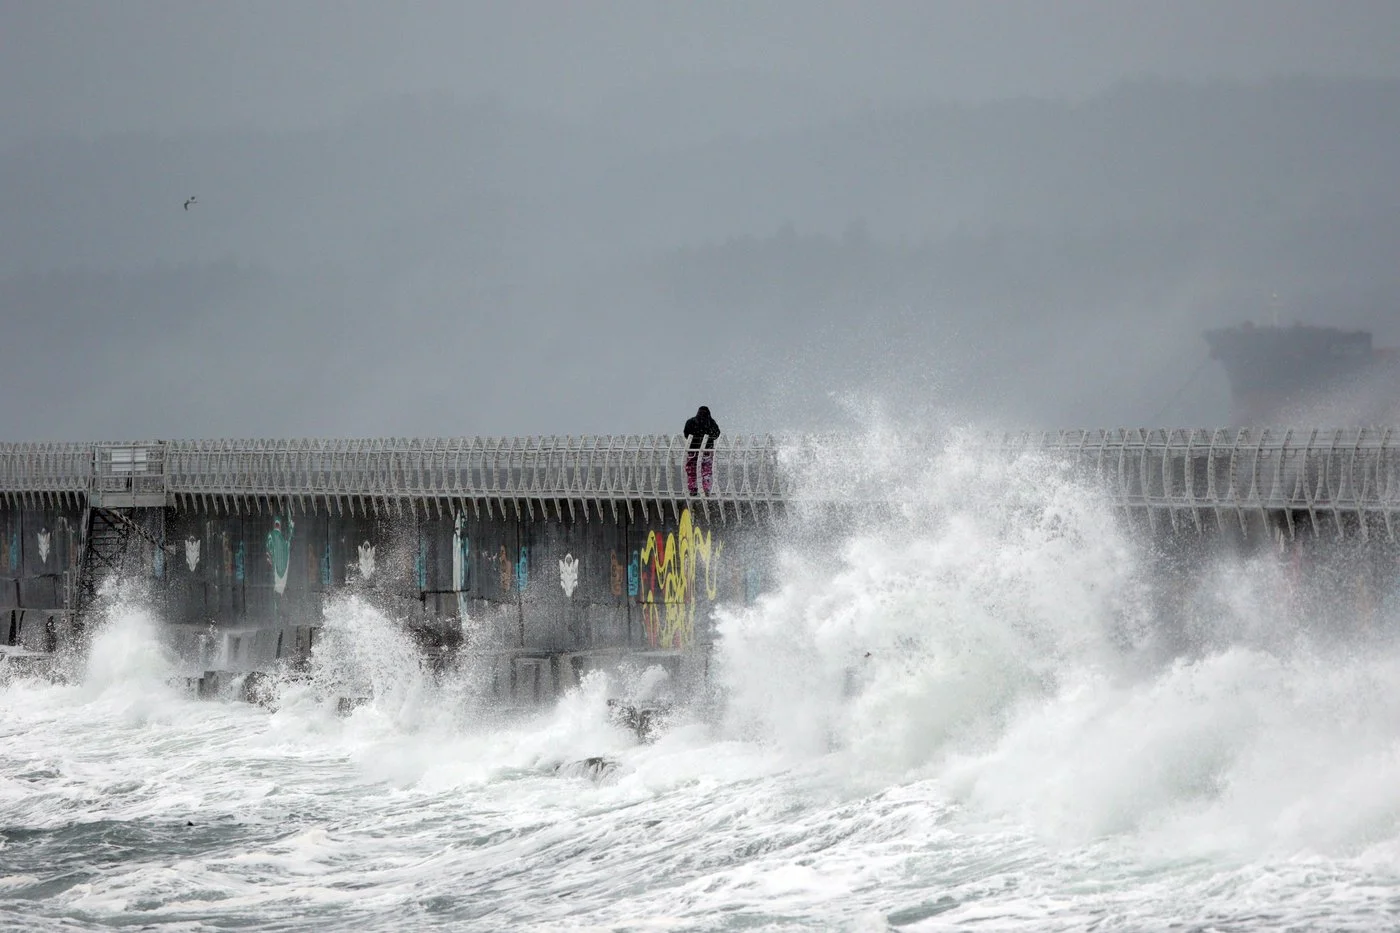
547	585
563	585
40	551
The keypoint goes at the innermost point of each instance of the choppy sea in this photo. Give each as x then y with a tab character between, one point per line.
962	715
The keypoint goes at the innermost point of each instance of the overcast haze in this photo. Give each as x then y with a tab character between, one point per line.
452	218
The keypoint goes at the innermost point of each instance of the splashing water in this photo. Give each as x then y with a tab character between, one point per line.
932	622
959	710
362	654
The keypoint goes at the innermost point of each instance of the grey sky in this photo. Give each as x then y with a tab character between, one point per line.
445	218
99	66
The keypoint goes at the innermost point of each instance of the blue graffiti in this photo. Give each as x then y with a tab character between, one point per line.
522	569
326	565
420	563
238	562
634	575
14	550
753	584
160	562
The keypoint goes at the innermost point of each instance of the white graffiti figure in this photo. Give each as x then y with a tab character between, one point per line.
192	553
44	538
568	574
366	560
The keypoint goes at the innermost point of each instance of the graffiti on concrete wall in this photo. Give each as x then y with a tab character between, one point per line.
60	543
568	575
506	570
461	563
753	584
192	553
461	555
514	574
68	536
618	576
279	552
233	557
671	582
634	575
366	563
420	562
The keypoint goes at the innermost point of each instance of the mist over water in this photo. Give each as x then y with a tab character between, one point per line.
983	703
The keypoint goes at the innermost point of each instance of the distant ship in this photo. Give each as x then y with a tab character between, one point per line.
1307	376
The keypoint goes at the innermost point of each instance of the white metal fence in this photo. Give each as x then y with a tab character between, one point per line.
614	467
48	469
1195	475
1179	472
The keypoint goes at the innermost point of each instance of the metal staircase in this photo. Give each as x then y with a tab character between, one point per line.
106	542
125	503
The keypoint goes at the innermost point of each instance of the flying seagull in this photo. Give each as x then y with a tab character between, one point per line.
189	201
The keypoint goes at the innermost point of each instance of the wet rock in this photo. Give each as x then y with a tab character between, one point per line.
344	706
258	688
596	769
644	721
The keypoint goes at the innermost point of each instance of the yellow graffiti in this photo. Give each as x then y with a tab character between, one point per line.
669	566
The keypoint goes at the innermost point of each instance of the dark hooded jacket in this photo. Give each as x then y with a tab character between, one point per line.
700	427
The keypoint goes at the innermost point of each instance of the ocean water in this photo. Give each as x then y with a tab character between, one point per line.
971	709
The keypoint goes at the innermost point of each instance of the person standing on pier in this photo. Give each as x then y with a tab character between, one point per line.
701	431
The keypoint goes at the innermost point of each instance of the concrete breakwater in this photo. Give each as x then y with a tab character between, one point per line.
554	553
558	554
244	591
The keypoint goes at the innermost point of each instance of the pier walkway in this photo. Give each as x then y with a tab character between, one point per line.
1189	479
555	555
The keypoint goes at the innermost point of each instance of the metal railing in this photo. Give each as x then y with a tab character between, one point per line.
129	474
613	467
1175	471
1196	474
54	469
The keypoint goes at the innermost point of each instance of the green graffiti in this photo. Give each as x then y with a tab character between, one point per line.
279	552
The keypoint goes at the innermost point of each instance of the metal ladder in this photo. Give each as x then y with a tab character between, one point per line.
106	546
